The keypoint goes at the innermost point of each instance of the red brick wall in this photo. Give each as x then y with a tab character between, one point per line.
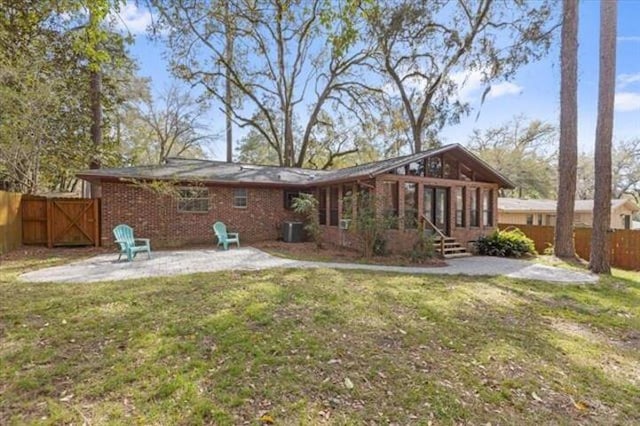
157	217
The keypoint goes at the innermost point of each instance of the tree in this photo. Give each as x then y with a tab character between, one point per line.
45	119
599	258
169	127
568	151
292	61
625	171
425	50
523	151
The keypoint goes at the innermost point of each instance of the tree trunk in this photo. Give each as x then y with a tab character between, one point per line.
599	259
288	139
568	151
95	92
229	59
417	137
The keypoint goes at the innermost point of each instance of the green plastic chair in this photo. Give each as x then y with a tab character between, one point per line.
224	237
128	244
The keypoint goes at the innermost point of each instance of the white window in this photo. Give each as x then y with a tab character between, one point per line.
193	200
240	198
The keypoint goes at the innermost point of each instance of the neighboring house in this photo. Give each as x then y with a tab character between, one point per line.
449	186
543	212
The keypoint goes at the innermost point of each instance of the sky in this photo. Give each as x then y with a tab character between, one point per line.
534	92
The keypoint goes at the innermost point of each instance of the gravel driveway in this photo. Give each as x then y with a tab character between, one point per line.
166	263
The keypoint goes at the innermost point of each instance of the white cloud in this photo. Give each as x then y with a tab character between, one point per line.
132	18
504	89
469	83
629	38
470	86
627	79
627	101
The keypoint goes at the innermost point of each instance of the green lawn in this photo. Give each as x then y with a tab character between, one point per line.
318	346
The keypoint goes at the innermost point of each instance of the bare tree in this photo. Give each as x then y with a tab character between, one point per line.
564	246
228	28
175	125
599	258
291	61
425	49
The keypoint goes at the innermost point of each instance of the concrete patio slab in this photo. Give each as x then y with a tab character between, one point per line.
169	263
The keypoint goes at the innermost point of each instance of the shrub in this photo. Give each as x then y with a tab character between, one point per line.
424	248
510	243
367	226
307	206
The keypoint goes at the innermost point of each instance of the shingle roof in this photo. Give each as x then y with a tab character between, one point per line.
549	206
223	172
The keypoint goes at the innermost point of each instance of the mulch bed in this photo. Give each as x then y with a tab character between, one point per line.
335	253
40	252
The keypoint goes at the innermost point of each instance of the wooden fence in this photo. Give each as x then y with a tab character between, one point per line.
60	221
10	223
624	244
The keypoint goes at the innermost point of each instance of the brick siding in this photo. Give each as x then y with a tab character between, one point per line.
156	217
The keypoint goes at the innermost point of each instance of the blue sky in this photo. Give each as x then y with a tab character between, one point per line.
534	92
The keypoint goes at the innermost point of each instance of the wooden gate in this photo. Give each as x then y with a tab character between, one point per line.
60	221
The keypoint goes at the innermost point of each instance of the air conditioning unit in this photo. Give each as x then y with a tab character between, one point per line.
344	223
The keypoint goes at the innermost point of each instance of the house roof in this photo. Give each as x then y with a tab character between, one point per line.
208	171
516	205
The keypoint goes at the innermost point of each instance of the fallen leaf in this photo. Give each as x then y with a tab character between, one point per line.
536	397
348	383
267	419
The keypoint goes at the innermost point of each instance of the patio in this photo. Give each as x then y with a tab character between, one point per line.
105	267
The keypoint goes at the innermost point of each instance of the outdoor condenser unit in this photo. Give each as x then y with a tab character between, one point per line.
292	232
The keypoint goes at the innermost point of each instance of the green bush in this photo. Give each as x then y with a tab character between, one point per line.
511	243
424	248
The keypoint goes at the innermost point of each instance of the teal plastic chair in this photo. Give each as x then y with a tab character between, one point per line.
224	237
130	245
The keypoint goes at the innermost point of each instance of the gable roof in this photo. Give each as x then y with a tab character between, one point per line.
516	205
208	171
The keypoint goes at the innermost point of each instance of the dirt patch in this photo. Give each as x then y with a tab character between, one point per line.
335	253
39	252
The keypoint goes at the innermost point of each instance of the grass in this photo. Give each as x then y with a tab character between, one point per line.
318	346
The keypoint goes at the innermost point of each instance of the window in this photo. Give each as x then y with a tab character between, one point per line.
460	201
193	200
410	205
434	167
333	206
416	168
390	200
539	220
240	198
487	208
465	173
529	219
322	206
627	221
450	169
474	201
289	196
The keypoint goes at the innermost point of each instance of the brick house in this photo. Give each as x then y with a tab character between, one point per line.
450	190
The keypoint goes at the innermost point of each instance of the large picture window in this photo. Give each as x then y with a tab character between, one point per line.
460	193
240	199
390	200
322	206
193	200
333	206
410	205
487	208
474	199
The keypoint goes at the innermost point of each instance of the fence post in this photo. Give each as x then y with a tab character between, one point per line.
49	224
